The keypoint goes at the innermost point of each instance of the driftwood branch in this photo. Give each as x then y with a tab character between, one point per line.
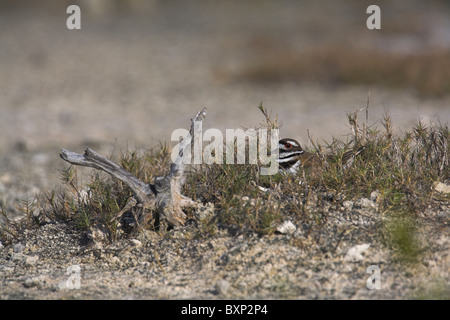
94	160
164	196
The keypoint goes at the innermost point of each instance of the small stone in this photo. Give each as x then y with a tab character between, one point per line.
32	282
115	260
222	286
364	203
31	260
355	254
441	187
374	195
136	242
18	257
286	227
18	247
348	205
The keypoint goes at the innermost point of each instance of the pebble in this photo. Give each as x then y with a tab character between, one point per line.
364	203
348	205
356	253
286	227
222	286
441	187
31	260
18	247
374	195
136	242
32	282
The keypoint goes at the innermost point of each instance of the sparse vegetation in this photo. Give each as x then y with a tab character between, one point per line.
398	173
400	170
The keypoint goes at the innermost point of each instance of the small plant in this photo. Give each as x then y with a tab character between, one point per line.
26	217
103	200
400	234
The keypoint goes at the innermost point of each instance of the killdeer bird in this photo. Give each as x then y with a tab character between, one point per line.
292	156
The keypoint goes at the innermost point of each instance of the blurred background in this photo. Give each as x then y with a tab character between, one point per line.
139	69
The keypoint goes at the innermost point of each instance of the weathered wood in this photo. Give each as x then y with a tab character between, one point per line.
164	196
94	160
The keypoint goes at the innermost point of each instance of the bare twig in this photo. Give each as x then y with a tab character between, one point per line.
164	195
94	160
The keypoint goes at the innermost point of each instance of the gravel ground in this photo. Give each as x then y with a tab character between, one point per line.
302	262
127	81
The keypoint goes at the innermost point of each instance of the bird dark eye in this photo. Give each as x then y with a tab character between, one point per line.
288	145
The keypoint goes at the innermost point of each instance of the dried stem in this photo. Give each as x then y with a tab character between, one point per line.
164	195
